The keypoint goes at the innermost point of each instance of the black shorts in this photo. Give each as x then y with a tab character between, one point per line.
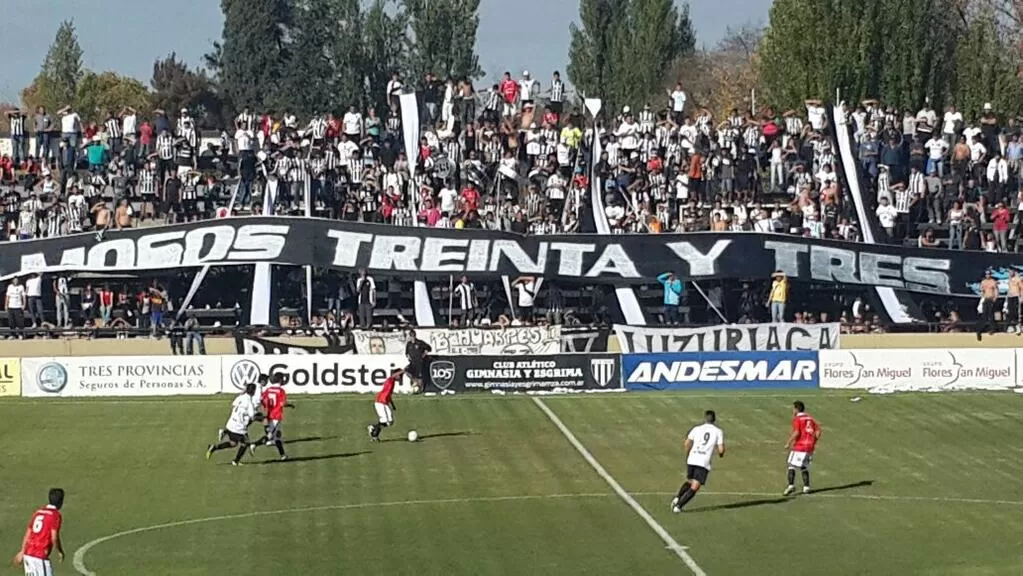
698	473
237	438
415	370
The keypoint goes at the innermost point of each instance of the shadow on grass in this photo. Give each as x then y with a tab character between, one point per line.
781	499
314	458
431	436
310	439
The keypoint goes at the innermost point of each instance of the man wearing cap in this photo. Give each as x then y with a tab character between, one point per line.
527	89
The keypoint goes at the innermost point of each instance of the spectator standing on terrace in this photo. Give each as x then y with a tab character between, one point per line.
34	292
988	299
14	303
468	302
778	297
43	126
19	136
62	297
366	291
673	294
1012	301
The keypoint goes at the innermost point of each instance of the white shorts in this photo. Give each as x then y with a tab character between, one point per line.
37	567
800	459
273	429
384	413
509	109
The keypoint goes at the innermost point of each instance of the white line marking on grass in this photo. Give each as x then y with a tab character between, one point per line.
876	497
78	559
672	544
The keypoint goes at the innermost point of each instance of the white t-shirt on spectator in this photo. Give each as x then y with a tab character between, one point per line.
243	139
887	215
527	293
678	101
70	123
949	122
614	213
628	135
34	286
345	150
527	87
15	296
977	151
129	124
970	132
815	114
937	148
447	200
352	123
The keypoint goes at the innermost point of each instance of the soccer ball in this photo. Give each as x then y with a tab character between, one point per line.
413	436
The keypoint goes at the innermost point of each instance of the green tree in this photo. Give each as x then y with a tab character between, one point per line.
311	74
623	47
251	59
57	83
384	50
441	37
987	68
813	48
106	92
176	86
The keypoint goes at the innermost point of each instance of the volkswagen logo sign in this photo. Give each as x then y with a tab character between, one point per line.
244	372
442	373
52	377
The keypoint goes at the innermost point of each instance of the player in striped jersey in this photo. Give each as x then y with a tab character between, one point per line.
112	126
557	95
19	136
55	220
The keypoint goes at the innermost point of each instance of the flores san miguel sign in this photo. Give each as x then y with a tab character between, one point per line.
430	252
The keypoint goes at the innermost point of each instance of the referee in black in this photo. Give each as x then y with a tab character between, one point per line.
416	351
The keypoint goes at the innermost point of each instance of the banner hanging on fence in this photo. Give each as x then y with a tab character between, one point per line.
431	252
453	342
257	345
732	337
524	373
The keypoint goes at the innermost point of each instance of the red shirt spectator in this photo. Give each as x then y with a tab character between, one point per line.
333	128
509	89
146	133
430	214
1001	218
90	131
550	118
470	198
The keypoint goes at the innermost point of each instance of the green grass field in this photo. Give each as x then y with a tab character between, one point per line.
915	484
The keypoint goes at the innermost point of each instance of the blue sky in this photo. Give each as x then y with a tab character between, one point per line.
126	36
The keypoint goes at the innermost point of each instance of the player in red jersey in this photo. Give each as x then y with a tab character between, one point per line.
41	537
273	401
805	434
384	405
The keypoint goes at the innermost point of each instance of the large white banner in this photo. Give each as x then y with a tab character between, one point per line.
728	337
314	374
918	370
536	340
120	376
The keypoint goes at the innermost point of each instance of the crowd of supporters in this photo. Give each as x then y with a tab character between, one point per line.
942	179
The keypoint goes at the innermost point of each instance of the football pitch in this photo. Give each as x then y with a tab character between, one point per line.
906	484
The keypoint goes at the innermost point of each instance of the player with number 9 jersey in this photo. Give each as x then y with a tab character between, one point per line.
273	402
42	536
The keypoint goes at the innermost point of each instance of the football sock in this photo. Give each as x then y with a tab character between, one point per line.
683	490
241	452
792	476
686	498
262	440
376	430
806	477
221	446
280	446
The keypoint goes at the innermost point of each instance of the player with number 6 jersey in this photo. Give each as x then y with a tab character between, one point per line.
802	442
43	536
701	444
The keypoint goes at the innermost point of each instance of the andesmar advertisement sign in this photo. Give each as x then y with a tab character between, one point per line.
720	370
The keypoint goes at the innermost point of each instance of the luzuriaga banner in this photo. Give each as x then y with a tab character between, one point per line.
728	338
424	253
